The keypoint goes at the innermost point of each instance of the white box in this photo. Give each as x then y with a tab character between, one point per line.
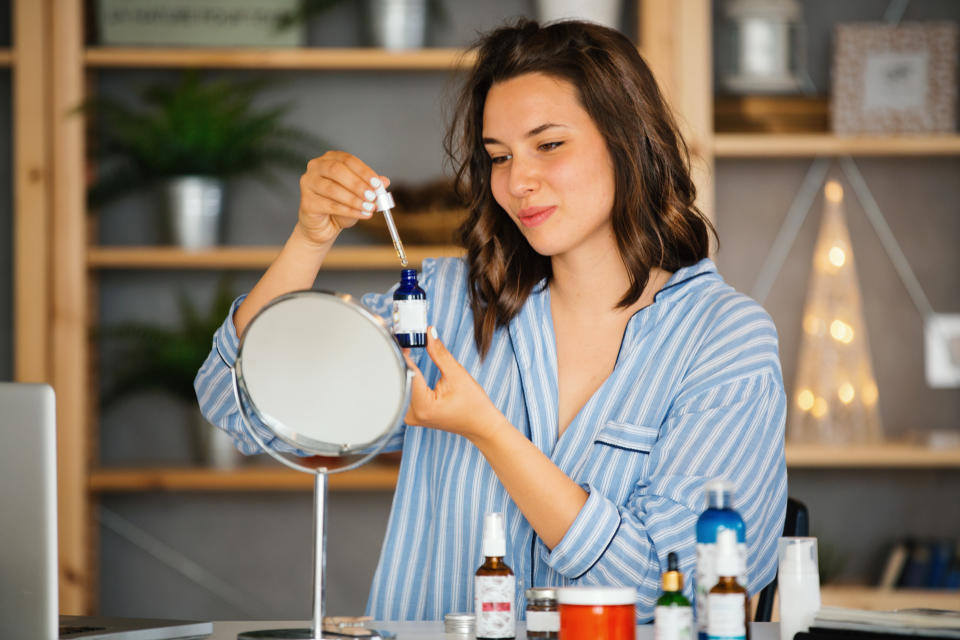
197	23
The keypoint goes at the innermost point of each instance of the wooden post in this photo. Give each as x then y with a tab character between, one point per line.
31	203
675	39
70	325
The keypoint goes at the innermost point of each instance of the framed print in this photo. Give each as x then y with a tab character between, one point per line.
894	79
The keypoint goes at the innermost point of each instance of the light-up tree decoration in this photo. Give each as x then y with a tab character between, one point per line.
835	392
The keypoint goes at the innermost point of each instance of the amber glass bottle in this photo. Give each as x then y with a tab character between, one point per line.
727	604
494	585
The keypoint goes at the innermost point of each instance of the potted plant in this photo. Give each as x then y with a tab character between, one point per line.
155	357
188	139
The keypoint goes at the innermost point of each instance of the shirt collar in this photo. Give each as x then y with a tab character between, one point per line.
680	283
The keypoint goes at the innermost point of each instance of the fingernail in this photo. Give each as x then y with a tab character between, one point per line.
375	182
433	333
369	195
368	206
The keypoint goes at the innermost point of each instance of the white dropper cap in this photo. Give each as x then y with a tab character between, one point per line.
384	199
494	540
728	557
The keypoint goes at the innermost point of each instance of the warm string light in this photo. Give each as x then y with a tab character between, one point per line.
836	395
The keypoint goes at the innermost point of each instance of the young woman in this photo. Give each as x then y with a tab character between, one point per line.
588	370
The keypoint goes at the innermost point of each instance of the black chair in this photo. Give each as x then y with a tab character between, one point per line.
797	523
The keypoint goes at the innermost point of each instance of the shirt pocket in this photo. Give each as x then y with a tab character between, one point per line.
634	437
621	452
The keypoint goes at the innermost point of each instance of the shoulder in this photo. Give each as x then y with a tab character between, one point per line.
728	333
444	273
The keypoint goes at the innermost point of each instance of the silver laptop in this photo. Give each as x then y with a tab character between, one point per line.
28	533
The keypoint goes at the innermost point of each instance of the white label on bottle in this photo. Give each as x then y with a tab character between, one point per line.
493	604
727	616
409	316
543	621
707	577
672	623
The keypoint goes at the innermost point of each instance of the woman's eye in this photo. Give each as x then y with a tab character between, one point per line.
549	146
499	159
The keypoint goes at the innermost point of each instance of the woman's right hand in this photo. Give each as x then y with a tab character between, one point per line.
335	192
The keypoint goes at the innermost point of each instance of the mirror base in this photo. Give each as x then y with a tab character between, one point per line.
307	634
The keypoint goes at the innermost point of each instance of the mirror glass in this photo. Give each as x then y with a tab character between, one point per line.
323	373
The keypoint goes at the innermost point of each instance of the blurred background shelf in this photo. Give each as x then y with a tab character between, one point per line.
888	455
297	58
371	477
876	599
797	145
346	257
383	475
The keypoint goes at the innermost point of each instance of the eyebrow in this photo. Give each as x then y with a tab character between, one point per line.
530	134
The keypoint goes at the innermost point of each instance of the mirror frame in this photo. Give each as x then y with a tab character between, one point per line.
304	443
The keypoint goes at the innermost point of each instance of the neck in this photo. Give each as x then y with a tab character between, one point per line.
598	281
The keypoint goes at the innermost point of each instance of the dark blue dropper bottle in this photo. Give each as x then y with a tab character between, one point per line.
410	311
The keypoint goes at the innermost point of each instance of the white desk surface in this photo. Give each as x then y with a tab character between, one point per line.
434	630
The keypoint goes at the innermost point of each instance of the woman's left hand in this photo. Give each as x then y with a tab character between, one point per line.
457	403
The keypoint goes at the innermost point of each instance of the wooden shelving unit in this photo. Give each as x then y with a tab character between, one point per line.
304	58
56	267
345	257
794	145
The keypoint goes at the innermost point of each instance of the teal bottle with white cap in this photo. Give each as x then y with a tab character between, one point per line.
718	516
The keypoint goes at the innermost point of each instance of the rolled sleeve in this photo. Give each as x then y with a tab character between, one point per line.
587	538
215	394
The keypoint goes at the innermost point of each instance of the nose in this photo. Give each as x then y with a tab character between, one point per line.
524	177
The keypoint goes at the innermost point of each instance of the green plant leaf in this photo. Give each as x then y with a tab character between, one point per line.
194	127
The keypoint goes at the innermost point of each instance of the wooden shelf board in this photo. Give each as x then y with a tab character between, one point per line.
876	599
293	58
880	456
383	476
344	257
758	145
6	57
372	477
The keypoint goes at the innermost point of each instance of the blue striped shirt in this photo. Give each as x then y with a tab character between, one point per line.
696	394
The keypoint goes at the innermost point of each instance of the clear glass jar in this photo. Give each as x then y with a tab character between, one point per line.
543	618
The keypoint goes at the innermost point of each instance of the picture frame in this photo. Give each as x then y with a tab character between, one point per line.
894	79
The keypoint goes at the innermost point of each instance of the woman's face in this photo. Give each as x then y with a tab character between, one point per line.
551	170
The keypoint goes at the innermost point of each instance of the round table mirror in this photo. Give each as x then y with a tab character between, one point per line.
322	374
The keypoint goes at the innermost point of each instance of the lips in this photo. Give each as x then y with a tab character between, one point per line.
533	216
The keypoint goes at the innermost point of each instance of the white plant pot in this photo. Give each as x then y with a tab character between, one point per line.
605	12
194	208
398	24
214	447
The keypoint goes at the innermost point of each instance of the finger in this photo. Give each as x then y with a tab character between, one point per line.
322	206
420	392
438	352
362	171
338	193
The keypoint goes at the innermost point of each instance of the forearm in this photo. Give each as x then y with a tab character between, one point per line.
546	496
295	268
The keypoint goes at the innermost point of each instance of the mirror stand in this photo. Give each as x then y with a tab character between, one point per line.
319	550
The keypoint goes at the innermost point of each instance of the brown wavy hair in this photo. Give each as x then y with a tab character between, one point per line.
654	217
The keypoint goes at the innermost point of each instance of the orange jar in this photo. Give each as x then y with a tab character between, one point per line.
597	613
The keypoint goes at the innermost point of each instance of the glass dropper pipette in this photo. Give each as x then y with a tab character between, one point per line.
384	205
